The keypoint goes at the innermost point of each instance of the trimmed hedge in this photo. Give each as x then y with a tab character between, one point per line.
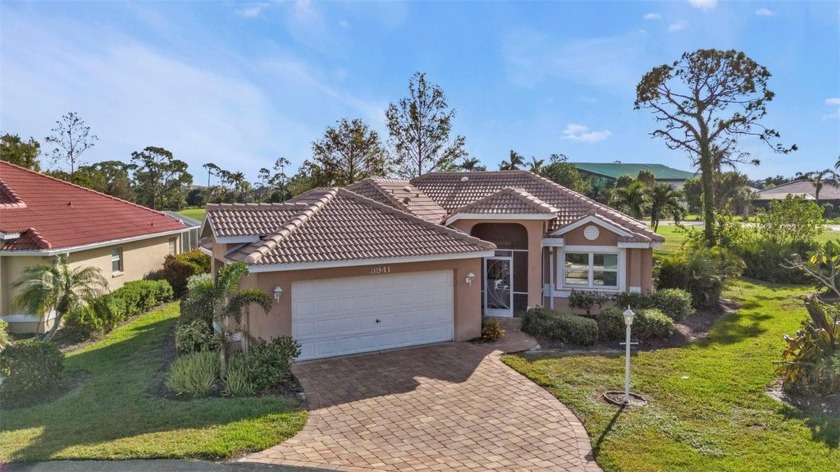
34	371
648	324
556	326
675	303
107	311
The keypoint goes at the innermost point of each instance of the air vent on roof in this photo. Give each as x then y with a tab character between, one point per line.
464	178
406	189
407	200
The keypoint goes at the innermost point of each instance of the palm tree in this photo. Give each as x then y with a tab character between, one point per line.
516	161
44	288
537	165
664	200
228	301
819	179
631	199
471	164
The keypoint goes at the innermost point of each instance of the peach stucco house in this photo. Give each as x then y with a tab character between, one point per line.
389	263
42	217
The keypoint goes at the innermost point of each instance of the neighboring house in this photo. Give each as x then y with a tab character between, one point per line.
800	188
603	173
390	263
42	217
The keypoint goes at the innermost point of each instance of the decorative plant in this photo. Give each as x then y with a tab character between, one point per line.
811	360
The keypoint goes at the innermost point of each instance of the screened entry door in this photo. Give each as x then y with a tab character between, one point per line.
498	286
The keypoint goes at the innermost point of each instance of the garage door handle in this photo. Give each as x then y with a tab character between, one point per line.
378	321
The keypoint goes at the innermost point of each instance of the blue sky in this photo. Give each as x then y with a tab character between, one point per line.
242	83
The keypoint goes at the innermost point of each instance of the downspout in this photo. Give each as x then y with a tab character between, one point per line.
551	277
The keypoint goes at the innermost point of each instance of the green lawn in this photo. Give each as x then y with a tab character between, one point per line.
675	236
116	414
194	213
708	410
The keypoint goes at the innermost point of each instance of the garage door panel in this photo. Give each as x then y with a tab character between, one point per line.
339	316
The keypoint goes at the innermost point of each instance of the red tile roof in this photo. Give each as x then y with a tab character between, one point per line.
54	214
340	226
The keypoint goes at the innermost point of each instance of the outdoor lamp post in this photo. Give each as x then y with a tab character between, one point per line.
628	321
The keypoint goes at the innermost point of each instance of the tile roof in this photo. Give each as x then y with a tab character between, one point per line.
800	187
400	194
251	219
508	201
54	214
455	190
615	170
340	226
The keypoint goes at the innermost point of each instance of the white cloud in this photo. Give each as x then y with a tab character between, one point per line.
252	11
344	24
703	4
677	26
832	102
764	12
575	132
653	16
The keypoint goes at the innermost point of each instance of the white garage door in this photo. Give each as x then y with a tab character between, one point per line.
334	317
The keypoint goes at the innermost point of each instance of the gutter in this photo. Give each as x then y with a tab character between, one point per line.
85	247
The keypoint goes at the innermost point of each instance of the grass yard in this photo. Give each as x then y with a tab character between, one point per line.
194	213
675	236
708	408
117	415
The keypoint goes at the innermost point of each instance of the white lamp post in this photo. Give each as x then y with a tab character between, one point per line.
628	321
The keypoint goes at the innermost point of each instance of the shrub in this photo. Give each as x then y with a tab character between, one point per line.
634	300
611	324
708	271
270	363
142	295
555	326
194	375
4	334
194	336
106	312
491	330
110	310
652	324
179	268
674	302
238	382
34	370
811	360
197	305
83	322
585	300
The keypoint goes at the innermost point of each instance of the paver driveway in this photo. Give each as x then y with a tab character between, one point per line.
453	406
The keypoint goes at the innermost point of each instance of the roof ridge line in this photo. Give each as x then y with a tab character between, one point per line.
437	227
271	241
41	174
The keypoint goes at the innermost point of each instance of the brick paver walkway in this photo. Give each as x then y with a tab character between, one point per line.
453	406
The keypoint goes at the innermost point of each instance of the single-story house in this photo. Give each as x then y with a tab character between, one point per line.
798	188
604	173
42	217
389	263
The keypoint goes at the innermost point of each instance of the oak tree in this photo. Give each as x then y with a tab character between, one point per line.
20	152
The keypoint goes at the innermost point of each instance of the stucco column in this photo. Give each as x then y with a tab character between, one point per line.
535	261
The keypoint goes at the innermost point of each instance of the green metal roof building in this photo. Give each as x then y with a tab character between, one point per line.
603	173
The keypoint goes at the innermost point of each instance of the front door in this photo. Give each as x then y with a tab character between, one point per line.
498	286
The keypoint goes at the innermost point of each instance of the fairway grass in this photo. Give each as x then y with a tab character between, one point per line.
708	408
117	414
194	213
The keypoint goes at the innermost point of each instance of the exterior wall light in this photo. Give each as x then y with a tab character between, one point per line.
469	278
278	291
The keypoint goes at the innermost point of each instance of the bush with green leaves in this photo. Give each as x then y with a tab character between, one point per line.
651	323
270	363
194	375
611	324
238	382
707	272
635	300
197	304
549	324
196	335
811	360
106	312
674	302
142	295
586	299
491	330
177	269
4	334
33	371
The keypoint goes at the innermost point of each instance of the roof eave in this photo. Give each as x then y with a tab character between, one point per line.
260	268
85	247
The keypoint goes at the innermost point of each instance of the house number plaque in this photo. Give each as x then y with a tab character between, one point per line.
378	270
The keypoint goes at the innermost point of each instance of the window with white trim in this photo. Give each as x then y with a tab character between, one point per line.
116	261
590	270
